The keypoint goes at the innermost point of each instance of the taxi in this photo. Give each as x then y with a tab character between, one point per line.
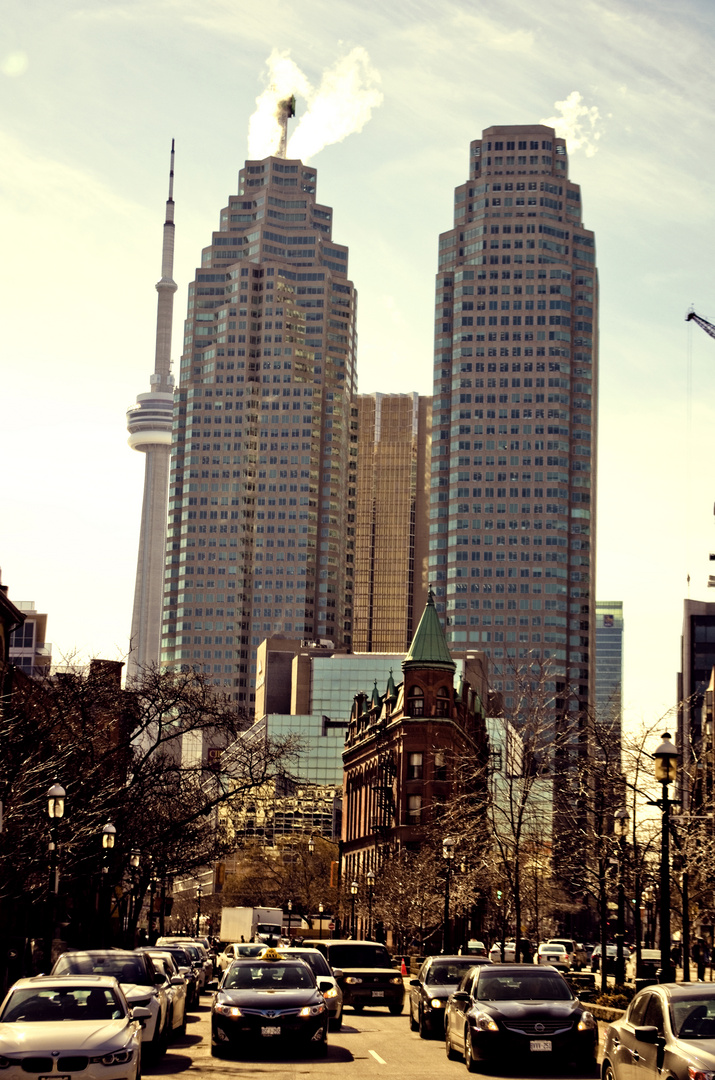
269	998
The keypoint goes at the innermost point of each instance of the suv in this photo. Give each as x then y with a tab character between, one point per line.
368	974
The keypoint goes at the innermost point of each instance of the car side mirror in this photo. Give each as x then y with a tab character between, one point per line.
338	973
141	1014
414	982
460	995
646	1034
159	980
324	986
177	980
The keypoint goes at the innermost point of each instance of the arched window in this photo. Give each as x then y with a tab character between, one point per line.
416	702
442	703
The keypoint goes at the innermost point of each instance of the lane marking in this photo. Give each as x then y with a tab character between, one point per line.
378	1058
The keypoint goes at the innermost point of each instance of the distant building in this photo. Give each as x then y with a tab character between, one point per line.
11	620
28	648
697	654
392	519
609	676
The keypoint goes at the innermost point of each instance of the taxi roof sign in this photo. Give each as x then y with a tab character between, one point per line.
270	954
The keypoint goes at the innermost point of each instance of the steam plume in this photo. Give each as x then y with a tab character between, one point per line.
340	106
576	124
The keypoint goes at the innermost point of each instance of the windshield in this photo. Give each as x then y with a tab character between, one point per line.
447	974
268	928
517	987
694	1018
271	976
125	967
65	1003
359	956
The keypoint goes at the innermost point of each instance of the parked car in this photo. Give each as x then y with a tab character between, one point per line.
139	980
439	977
369	976
509	952
98	1035
577	953
668	1030
186	968
475	948
176	989
200	959
554	955
650	964
518	1011
611	952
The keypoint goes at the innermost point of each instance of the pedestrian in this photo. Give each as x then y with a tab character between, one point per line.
698	954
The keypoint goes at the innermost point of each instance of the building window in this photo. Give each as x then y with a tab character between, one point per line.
414	767
416	702
442	703
414	809
440	766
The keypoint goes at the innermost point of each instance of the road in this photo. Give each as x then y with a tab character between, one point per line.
371	1046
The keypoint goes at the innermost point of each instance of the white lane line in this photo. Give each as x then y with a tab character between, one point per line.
378	1058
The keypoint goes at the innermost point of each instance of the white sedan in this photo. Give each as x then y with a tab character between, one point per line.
70	1024
555	956
509	952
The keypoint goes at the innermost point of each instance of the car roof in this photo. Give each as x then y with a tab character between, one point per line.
684	991
64	980
522	969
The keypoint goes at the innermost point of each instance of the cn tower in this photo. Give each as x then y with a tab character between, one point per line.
149	424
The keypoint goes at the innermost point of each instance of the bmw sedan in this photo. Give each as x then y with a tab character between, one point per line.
57	1027
667	1031
518	1011
438	978
269	999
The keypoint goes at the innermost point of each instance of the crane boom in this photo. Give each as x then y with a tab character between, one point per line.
708	327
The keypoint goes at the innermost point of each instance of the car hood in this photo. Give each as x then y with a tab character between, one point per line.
532	1010
269	1000
60	1035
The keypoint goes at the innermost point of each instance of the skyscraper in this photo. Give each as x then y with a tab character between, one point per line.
512	545
263	459
391	529
609	672
697	660
149	423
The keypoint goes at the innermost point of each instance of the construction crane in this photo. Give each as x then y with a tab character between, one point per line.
708	327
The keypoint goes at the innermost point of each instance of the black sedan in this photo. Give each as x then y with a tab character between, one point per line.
667	1031
269	999
517	1010
438	978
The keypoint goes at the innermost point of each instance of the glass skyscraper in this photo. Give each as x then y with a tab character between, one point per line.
263	459
512	518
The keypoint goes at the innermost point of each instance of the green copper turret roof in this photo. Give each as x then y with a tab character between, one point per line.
376	699
429	646
391	692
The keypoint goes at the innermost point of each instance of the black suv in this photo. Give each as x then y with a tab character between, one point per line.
368	974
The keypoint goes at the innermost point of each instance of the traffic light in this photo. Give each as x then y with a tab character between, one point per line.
498	894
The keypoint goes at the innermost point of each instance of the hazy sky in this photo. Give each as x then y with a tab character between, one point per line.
92	95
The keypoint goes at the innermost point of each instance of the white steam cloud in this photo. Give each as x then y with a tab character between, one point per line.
340	106
576	123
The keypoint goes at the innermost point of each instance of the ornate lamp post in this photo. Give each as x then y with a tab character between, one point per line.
448	856
55	811
311	845
666	768
353	897
370	887
320	917
109	834
290	913
198	909
621	819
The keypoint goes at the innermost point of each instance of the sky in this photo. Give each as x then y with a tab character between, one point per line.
92	94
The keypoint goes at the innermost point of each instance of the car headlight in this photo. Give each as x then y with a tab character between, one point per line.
330	993
587	1022
312	1010
227	1010
353	979
698	1074
119	1057
485	1022
437	1003
397	981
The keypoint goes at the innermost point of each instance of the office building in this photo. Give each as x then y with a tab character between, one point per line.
697	652
609	676
391	526
512	529
28	648
263	460
149	423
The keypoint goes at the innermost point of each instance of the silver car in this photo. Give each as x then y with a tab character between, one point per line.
323	974
668	1030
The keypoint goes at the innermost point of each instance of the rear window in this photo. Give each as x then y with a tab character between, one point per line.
359	956
315	961
447	973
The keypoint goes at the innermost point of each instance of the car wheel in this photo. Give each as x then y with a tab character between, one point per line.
216	1051
607	1072
451	1052
468	1052
423	1029
413	1023
358	1008
396	1008
336	1022
321	1049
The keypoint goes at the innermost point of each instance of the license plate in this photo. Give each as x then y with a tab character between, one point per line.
540	1044
54	1076
264	1031
378	993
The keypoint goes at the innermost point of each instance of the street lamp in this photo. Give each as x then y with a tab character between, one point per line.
370	886
55	810
108	836
448	856
320	917
353	897
311	845
198	908
290	911
621	819
666	768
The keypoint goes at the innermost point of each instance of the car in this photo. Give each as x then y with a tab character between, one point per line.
323	973
70	1024
439	977
369	975
495	953
668	1030
555	956
269	999
176	988
198	960
233	950
577	953
193	946
649	966
611	956
518	1011
142	985
186	968
475	948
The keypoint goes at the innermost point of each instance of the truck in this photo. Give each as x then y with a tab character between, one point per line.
251	924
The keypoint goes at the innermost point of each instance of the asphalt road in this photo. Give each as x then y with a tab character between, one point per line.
370	1046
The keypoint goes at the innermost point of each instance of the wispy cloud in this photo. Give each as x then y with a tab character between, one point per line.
576	122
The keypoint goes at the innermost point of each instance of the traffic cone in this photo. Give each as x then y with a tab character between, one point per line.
403	967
